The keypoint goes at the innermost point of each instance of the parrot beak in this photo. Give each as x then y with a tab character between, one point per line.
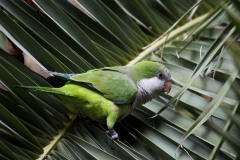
167	86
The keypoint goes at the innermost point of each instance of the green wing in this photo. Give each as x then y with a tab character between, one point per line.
113	84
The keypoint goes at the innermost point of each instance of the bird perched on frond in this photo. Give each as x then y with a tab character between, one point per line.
109	94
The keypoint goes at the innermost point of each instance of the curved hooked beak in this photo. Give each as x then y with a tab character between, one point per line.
167	86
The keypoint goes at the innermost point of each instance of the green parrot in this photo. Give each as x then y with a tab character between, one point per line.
109	94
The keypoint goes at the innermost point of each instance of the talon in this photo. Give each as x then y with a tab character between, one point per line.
153	116
114	136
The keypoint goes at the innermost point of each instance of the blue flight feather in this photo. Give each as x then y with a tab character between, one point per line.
121	102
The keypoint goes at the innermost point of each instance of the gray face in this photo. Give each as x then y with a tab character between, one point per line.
164	74
156	83
151	85
148	88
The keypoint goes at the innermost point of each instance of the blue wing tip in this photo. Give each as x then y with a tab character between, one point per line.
63	75
120	102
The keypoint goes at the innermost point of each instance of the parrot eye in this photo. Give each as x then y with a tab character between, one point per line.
160	75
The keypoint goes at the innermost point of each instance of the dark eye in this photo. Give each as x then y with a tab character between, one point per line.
160	75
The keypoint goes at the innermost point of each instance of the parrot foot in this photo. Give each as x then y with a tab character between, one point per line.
112	133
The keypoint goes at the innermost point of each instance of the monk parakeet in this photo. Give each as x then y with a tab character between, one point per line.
109	94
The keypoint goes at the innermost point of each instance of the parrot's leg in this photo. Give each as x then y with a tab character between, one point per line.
111	119
112	133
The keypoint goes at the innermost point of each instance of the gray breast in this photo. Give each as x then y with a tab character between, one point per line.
147	90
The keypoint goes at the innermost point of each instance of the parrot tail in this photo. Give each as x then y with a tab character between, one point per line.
42	89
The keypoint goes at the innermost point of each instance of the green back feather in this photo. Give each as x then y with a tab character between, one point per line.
113	85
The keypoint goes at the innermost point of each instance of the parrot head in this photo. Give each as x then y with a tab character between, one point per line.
152	78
